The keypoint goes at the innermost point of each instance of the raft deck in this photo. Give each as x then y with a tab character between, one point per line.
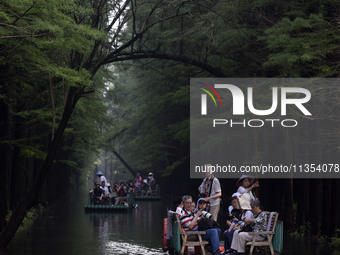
139	198
106	207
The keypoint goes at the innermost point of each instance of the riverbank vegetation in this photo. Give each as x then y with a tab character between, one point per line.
87	78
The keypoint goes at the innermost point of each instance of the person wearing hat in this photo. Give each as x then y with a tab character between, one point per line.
150	177
246	184
102	177
242	210
151	182
210	189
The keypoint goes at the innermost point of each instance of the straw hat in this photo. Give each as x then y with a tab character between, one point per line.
244	176
244	201
236	194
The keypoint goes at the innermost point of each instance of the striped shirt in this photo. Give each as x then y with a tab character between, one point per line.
186	218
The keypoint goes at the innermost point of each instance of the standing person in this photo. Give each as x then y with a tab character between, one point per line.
151	182
102	177
246	184
210	189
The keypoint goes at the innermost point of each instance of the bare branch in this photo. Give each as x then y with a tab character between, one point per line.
118	14
157	55
20	17
53	106
22	36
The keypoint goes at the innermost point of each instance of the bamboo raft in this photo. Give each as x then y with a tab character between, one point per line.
139	198
111	208
106	208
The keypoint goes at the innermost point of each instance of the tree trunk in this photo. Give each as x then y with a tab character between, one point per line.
316	206
336	205
124	163
31	197
288	204
6	165
327	222
302	214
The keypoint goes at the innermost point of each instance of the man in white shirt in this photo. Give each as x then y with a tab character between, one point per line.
210	189
105	192
102	177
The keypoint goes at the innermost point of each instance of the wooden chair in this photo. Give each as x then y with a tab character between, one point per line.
271	223
186	242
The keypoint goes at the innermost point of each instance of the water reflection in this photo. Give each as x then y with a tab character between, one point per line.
121	233
140	227
128	248
66	229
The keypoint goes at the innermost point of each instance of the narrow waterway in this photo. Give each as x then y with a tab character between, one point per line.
65	229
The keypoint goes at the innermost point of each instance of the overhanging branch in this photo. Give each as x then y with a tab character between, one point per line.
157	55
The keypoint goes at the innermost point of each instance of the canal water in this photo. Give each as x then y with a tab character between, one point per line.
65	229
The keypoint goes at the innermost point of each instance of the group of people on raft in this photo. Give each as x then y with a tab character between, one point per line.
244	214
104	194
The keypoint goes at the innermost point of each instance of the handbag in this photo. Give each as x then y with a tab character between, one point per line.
205	224
247	228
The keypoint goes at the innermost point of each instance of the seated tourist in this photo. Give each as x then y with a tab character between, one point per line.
114	193
241	210
190	220
258	224
138	184
178	205
122	192
145	187
193	206
105	192
97	195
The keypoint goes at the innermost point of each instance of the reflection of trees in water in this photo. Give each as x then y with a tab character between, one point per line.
103	228
100	225
105	225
